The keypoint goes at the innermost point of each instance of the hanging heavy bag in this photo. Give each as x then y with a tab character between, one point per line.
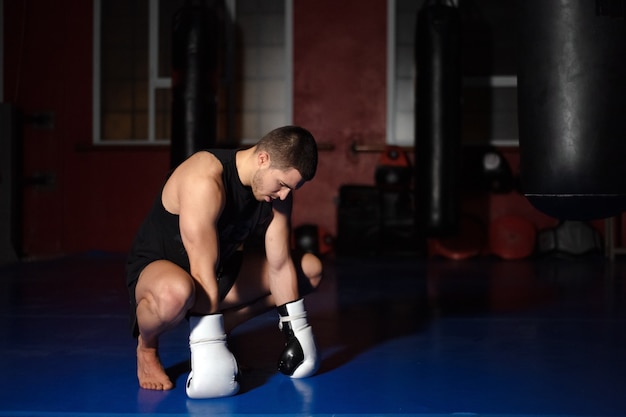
437	119
195	48
571	101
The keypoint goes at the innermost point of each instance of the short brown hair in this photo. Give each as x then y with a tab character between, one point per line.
291	147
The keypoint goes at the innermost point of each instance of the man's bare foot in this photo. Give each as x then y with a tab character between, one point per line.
149	369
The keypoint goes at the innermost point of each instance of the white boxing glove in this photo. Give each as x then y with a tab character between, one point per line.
214	371
299	358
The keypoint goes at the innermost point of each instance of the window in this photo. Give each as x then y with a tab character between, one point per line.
489	82
132	67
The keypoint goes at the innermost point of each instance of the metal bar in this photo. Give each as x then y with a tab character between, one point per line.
355	147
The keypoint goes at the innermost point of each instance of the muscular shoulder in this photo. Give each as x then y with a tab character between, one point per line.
200	172
203	163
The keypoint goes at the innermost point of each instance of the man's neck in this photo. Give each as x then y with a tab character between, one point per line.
244	160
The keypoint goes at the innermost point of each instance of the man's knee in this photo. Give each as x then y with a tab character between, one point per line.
177	297
313	269
169	291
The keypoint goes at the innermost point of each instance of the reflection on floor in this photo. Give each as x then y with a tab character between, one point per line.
397	336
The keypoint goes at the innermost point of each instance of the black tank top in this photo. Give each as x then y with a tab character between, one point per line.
159	236
242	213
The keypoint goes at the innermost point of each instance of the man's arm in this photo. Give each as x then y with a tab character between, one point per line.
299	358
201	199
282	273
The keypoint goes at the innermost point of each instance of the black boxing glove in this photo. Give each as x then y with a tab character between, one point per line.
299	358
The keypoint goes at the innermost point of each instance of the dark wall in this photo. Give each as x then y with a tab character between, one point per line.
78	197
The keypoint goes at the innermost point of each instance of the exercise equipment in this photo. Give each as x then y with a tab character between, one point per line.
437	118
214	370
359	219
393	169
467	243
299	358
571	101
484	169
311	238
512	237
569	238
195	57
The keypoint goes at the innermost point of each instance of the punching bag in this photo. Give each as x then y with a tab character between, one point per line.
437	119
572	107
195	47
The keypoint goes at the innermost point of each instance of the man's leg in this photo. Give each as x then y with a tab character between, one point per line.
164	294
250	296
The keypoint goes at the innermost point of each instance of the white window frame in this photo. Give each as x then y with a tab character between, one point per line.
492	81
155	82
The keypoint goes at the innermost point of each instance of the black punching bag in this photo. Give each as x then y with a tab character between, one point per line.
572	107
437	119
195	46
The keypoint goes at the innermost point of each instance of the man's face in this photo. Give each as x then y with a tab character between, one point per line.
271	184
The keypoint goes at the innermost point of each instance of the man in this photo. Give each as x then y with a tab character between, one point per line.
187	260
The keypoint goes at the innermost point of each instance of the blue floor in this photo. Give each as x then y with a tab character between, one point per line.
397	336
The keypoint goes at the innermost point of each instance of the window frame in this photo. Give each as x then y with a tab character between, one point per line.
492	82
156	82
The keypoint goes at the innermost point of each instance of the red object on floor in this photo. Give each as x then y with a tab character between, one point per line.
469	242
512	237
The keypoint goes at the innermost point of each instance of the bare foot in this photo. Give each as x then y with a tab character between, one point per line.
149	369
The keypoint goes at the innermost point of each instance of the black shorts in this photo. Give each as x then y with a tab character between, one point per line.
226	277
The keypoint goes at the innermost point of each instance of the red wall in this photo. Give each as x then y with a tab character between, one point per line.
340	94
101	195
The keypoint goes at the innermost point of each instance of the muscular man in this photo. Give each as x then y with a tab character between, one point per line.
188	260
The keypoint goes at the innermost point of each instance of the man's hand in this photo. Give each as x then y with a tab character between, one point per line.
299	358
